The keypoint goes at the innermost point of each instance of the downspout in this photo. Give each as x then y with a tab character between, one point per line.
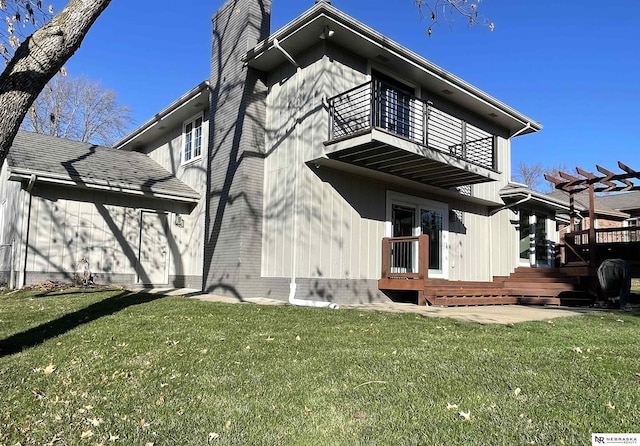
509	206
26	224
293	300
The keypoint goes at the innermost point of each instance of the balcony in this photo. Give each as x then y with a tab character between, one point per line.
378	127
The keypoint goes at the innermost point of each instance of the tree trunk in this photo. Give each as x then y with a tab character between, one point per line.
38	59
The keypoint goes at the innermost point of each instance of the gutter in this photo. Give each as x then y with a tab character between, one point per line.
23	175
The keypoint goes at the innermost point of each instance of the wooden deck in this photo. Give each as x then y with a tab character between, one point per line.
529	286
532	286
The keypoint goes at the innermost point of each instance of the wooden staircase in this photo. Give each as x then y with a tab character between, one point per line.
532	286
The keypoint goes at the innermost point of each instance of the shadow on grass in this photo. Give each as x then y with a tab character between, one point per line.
42	333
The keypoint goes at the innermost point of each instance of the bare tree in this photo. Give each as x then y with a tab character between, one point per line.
441	10
78	108
38	58
44	52
533	175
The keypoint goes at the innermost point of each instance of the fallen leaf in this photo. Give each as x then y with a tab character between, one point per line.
38	394
619	320
298	338
204	351
306	410
610	406
144	424
451	406
227	425
577	349
95	422
517	391
48	370
465	415
149	443
113	438
213	436
160	401
360	416
86	434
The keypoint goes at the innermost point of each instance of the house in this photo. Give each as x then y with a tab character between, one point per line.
133	220
317	158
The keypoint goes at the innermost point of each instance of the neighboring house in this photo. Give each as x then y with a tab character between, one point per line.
305	149
611	211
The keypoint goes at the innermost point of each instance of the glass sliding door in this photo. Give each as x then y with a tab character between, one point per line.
404	254
412	216
431	225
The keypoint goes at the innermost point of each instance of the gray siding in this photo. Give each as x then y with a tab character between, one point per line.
166	150
233	231
67	225
339	218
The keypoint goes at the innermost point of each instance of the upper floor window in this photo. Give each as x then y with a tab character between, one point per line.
192	139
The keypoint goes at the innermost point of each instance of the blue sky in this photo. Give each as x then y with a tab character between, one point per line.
573	66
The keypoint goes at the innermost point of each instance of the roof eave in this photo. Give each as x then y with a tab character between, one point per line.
521	122
93	184
183	101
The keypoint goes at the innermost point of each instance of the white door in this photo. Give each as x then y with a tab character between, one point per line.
153	255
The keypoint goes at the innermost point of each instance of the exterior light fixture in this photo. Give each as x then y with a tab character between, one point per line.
326	33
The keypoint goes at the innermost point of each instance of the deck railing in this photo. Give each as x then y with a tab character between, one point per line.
377	104
405	257
608	243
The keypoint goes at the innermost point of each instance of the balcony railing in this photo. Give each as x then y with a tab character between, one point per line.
379	105
607	243
405	257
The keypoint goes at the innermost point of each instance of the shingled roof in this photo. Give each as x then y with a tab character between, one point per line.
73	163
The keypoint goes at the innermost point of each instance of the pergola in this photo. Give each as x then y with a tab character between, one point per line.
607	181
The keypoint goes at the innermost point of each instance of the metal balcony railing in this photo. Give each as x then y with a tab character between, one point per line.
377	104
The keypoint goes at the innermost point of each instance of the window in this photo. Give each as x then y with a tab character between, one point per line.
192	139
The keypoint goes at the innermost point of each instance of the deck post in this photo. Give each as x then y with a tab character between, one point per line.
386	257
423	257
592	228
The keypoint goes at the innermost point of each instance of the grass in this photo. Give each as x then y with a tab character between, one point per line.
110	367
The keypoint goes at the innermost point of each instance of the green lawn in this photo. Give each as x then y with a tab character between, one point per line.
109	367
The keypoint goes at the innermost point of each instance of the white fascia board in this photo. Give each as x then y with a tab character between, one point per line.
45	177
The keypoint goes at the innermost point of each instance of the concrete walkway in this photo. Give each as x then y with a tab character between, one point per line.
487	314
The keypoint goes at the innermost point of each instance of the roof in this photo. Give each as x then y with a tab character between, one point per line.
622	202
305	31
515	193
73	163
603	204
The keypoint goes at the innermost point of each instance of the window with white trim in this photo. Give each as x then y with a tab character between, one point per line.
192	138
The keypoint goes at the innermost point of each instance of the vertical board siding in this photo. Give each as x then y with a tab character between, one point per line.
185	243
331	242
